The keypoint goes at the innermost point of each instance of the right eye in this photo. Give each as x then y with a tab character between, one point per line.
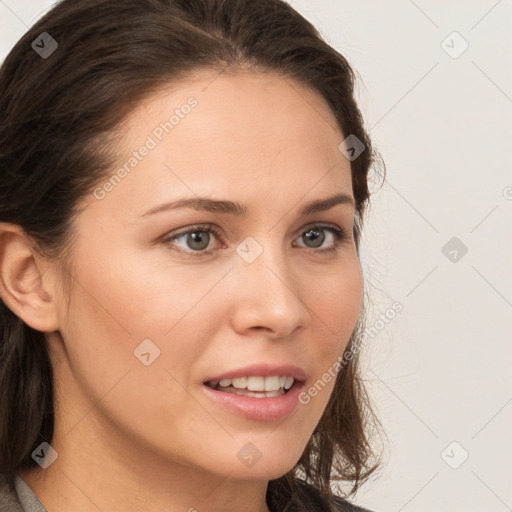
197	238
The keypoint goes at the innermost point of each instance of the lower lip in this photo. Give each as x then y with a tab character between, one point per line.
262	409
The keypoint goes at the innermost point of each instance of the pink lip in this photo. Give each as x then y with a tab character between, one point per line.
259	408
262	370
262	409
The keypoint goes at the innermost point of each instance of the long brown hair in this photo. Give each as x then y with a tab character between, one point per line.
59	113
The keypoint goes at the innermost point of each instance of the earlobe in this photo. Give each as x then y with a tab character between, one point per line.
23	287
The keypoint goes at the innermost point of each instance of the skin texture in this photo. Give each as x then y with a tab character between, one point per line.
132	437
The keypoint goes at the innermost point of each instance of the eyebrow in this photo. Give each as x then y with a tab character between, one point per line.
232	208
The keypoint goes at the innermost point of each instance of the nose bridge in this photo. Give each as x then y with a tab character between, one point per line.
268	295
265	264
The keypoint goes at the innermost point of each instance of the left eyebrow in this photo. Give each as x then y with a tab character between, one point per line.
326	204
232	208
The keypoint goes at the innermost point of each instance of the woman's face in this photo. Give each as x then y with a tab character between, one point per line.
160	305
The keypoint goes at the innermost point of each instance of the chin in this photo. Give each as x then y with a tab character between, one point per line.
267	464
262	472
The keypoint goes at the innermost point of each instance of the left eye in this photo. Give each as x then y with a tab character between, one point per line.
317	236
198	238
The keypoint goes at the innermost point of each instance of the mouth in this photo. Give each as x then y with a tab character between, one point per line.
261	391
254	386
256	397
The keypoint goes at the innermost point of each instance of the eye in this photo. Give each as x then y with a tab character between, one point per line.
316	236
198	238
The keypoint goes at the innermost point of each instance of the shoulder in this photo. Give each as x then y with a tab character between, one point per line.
318	503
9	501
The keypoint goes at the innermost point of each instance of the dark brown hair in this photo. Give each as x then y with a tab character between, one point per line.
59	116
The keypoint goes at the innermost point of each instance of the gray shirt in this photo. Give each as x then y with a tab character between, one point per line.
22	499
19	499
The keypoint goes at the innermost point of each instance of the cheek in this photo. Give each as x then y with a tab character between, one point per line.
121	299
336	307
111	314
335	304
135	296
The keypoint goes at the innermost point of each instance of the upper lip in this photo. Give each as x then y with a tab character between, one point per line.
262	370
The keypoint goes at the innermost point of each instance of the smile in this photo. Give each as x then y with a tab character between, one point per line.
254	386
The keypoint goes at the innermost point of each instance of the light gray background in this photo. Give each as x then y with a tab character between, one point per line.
439	372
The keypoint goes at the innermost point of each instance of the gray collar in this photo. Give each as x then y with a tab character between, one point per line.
28	499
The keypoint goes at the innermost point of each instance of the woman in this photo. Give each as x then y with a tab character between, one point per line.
183	184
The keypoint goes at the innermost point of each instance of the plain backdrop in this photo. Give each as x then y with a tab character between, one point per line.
435	88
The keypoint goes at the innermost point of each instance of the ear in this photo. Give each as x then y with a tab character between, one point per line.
23	286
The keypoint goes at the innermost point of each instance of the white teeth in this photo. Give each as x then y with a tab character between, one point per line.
272	384
254	383
240	383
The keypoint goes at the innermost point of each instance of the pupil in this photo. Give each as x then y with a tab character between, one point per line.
198	237
317	238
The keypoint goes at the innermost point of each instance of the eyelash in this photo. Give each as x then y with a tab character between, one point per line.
339	234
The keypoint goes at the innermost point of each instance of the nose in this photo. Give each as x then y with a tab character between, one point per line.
267	295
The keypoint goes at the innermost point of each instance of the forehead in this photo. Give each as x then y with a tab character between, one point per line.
244	132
